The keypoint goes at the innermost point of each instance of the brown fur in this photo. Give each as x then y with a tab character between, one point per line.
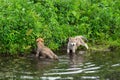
74	43
43	50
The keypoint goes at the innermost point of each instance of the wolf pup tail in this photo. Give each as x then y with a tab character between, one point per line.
84	38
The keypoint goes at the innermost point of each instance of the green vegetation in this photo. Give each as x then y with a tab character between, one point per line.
22	21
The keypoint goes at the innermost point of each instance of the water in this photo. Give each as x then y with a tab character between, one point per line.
89	65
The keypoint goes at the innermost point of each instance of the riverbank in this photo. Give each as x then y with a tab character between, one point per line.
104	47
100	46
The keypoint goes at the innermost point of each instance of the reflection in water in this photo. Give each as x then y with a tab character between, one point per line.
82	66
75	60
87	69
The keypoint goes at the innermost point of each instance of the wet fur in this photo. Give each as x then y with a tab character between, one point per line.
74	43
72	46
43	50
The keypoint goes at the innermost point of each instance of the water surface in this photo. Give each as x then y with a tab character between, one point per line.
90	65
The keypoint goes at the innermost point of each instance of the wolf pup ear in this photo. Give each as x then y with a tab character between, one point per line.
37	40
69	38
41	39
76	38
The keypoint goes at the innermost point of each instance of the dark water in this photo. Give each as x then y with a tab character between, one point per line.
85	66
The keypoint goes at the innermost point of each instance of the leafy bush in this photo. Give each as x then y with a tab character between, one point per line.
22	21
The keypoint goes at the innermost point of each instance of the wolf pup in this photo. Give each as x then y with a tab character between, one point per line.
44	51
74	43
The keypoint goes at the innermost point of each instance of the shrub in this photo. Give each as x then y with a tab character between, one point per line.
22	21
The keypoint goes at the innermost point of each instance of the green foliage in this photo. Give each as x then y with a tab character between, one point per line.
22	21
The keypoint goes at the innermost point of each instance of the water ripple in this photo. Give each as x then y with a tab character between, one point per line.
114	65
90	77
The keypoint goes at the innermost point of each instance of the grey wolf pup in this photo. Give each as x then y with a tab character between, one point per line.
75	42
